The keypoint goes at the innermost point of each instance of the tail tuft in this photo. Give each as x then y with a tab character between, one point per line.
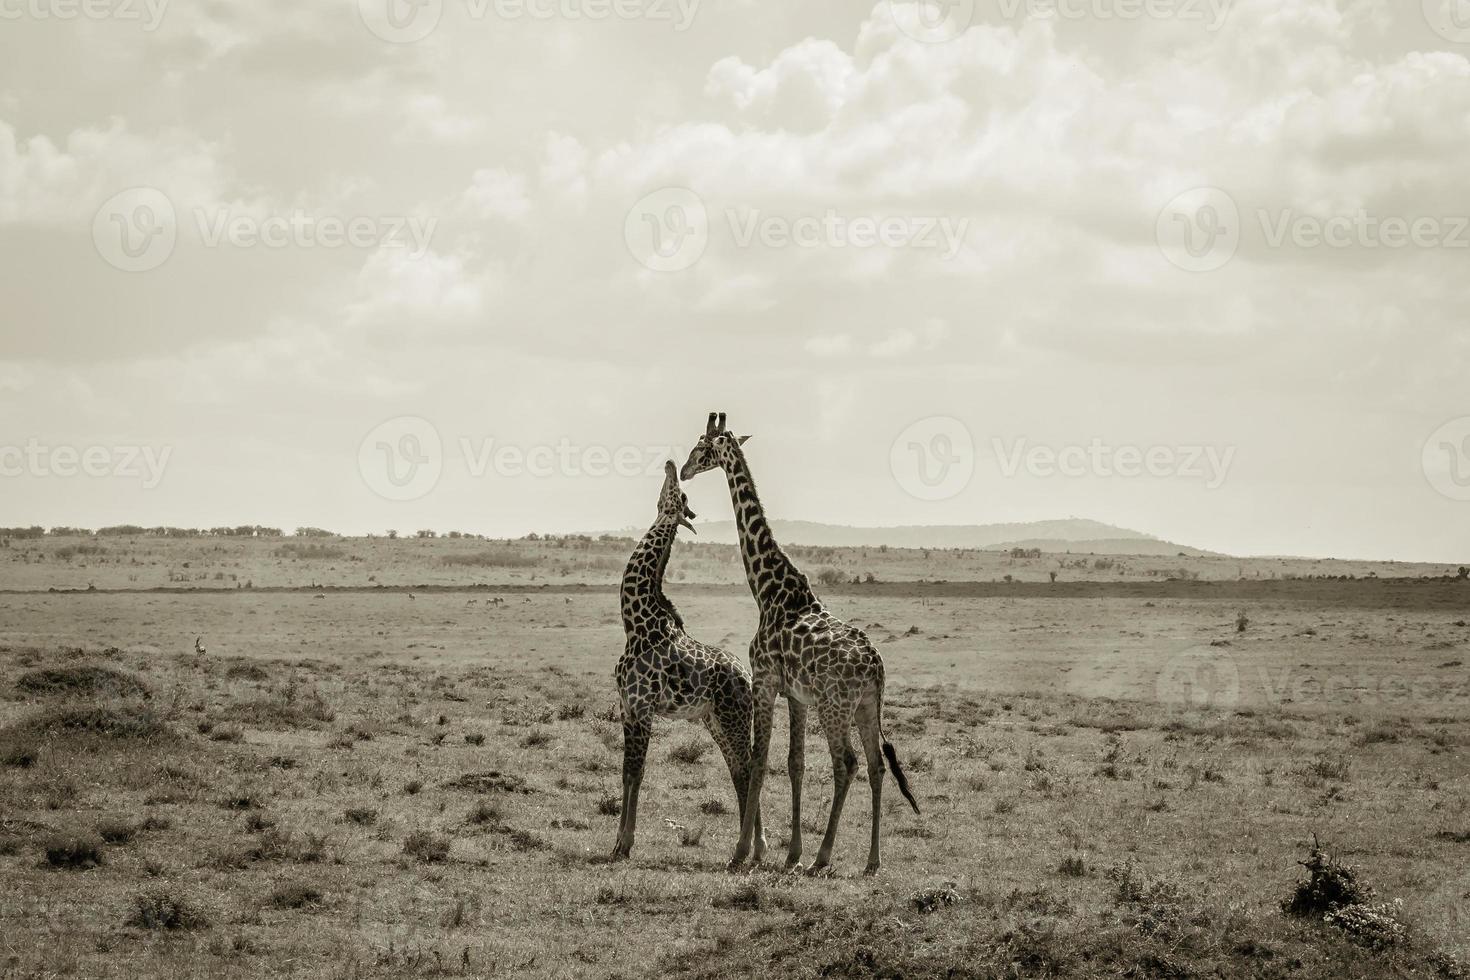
898	776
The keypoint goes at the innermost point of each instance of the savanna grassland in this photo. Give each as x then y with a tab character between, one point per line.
1118	777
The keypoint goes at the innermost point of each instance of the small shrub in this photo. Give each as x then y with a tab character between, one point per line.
159	909
1073	867
570	712
74	851
361	815
689	752
474	738
535	739
1241	621
482	813
257	822
247	672
424	846
294	895
934	899
610	806
413	786
713	808
691	836
20	755
227	733
524	840
1373	926
117	831
1330	885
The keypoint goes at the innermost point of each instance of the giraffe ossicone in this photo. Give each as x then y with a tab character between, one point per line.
803	652
664	672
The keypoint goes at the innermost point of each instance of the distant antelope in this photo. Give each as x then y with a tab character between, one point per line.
199	650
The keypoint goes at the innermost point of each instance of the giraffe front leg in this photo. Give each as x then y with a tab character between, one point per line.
636	734
760	750
796	767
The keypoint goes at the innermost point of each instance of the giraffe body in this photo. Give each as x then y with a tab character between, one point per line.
811	657
666	673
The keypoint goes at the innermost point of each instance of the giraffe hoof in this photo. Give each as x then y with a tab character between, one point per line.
819	871
870	870
795	867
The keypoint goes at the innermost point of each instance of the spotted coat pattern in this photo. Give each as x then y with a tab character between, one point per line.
801	651
664	672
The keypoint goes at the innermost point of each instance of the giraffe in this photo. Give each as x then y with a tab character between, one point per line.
802	651
665	672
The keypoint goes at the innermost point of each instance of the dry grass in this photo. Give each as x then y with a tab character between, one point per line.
1064	833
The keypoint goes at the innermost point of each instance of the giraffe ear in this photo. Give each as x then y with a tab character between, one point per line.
744	439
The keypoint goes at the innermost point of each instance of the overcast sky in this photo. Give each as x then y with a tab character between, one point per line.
484	264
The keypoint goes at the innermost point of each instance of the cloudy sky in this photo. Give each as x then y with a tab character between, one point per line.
1194	268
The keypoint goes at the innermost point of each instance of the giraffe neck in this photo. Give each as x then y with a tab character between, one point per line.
643	601
773	579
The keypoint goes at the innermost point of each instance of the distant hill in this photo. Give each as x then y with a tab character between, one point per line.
1072	534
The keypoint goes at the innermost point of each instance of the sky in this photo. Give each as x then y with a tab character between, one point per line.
1189	267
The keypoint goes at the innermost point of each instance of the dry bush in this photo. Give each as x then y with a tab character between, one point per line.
361	815
74	851
689	752
247	672
294	895
117	831
427	847
20	755
159	909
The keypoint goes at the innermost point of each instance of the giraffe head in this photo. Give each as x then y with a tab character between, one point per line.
715	448
672	504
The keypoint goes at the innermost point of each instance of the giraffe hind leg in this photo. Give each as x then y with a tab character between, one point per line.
870	731
836	722
796	767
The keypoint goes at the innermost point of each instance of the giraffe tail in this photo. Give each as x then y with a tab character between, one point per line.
898	775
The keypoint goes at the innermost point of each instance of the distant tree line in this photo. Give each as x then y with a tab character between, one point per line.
136	530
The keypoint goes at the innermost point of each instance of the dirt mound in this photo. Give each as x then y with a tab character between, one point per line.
81	679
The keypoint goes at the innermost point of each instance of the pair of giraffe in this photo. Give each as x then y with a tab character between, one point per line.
800	650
